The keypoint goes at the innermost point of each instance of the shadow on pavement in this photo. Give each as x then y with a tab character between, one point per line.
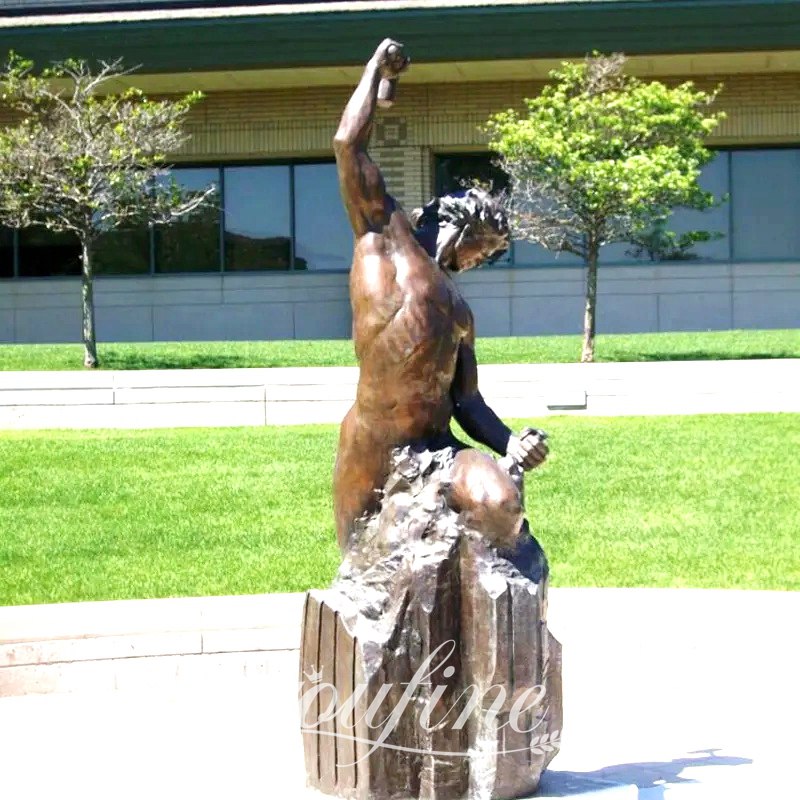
650	777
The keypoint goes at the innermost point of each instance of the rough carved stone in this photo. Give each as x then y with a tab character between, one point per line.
422	580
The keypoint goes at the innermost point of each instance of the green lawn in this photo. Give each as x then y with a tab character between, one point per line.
503	350
706	501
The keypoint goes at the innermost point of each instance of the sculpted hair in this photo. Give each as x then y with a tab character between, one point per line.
475	212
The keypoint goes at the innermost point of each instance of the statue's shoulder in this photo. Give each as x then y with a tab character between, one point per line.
370	244
373	270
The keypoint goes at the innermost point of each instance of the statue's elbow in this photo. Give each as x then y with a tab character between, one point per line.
341	142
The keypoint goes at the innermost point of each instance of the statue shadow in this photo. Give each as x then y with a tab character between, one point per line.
651	778
702	355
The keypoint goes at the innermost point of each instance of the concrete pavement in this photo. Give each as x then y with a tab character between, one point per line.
669	694
301	395
675	694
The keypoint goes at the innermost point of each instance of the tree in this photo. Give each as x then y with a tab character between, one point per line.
660	244
82	160
603	157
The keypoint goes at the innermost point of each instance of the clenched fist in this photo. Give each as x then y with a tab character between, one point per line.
390	59
529	449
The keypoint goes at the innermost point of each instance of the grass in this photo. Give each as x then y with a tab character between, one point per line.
706	501
745	344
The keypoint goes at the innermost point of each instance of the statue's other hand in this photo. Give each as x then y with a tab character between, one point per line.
529	449
390	59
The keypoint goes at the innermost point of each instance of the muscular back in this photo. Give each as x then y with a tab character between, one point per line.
408	316
408	322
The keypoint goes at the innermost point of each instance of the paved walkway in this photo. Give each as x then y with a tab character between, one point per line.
297	395
671	694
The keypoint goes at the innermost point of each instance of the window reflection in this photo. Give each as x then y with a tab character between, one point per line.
257	218
260	221
453	170
6	253
765	197
123	252
323	238
457	172
655	247
191	243
46	253
529	254
714	178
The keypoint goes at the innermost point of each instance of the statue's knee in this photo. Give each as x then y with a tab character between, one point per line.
487	497
503	516
478	480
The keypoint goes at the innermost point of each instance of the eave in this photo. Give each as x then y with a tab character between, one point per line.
266	38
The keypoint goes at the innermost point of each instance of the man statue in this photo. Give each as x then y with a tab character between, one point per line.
414	334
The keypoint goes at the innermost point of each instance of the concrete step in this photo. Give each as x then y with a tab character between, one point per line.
146	644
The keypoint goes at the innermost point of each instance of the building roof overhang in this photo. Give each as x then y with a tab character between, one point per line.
333	37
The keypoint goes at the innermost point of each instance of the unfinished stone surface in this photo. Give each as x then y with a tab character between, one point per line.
427	669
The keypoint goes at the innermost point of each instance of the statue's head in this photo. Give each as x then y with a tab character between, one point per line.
463	230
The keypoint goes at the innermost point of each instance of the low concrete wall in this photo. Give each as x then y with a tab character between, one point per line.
148	644
302	395
506	302
202	642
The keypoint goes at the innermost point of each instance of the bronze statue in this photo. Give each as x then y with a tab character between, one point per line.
414	333
426	669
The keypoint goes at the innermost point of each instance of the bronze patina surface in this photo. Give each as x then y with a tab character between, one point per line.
427	669
414	333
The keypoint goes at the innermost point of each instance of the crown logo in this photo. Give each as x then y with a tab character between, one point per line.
314	676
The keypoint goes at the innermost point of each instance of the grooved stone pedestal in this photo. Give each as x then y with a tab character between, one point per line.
427	670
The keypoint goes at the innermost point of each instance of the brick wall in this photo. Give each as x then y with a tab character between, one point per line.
761	109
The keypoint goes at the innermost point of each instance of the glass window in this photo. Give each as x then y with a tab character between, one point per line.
6	253
123	252
258	225
715	179
528	254
765	198
191	243
458	171
43	253
323	237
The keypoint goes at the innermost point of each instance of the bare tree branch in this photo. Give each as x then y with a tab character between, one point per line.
84	161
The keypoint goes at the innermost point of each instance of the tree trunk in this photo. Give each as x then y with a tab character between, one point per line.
587	351
87	299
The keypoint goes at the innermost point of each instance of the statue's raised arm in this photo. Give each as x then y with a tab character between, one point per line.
360	180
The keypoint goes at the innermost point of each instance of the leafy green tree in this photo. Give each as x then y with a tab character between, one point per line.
603	157
85	160
661	244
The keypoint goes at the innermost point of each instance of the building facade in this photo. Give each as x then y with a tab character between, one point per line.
270	260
